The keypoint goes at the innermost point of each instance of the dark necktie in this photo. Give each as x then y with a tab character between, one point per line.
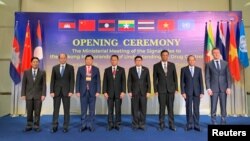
217	65
34	75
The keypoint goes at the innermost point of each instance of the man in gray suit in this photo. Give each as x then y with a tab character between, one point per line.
34	92
218	84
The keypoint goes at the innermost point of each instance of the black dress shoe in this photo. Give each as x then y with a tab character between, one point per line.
172	128
188	128
91	129
142	127
83	128
54	129
65	130
37	129
26	129
197	129
162	127
110	127
117	127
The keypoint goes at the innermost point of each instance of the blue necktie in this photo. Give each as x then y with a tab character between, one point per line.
139	72
192	71
62	71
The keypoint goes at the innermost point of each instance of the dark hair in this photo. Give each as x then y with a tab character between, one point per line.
34	58
215	49
62	54
190	56
164	51
87	56
138	56
114	55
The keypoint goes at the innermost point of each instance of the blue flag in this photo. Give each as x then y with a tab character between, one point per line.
15	67
243	54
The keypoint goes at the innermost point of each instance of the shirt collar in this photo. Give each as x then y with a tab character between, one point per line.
34	70
114	67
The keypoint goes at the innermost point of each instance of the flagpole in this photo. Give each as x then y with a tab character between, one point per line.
234	114
14	101
245	97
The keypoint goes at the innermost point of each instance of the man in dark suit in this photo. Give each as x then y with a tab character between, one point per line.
165	86
61	88
34	92
192	90
139	88
218	84
88	87
114	89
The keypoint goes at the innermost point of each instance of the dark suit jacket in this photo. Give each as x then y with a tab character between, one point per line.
34	89
112	86
191	85
65	83
81	84
136	85
163	84
217	81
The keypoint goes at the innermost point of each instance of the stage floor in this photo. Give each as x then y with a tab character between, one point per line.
11	130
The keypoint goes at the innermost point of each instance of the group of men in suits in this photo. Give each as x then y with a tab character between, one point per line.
88	87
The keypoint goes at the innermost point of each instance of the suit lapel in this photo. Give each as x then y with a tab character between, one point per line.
188	71
161	68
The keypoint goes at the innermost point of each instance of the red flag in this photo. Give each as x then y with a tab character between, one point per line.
165	25
86	25
27	51
66	25
233	60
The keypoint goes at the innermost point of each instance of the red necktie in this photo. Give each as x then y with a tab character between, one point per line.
114	72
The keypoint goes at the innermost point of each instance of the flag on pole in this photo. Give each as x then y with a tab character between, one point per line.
233	61
243	54
27	51
227	41
220	40
38	51
15	68
210	43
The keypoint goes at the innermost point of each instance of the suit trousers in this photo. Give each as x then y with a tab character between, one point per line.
33	105
87	103
114	103
166	99
66	108
192	110
223	103
139	105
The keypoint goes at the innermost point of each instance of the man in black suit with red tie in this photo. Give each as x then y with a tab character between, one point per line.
114	89
34	92
192	91
61	88
139	88
165	86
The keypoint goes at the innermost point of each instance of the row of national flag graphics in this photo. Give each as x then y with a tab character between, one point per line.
18	65
126	25
232	45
